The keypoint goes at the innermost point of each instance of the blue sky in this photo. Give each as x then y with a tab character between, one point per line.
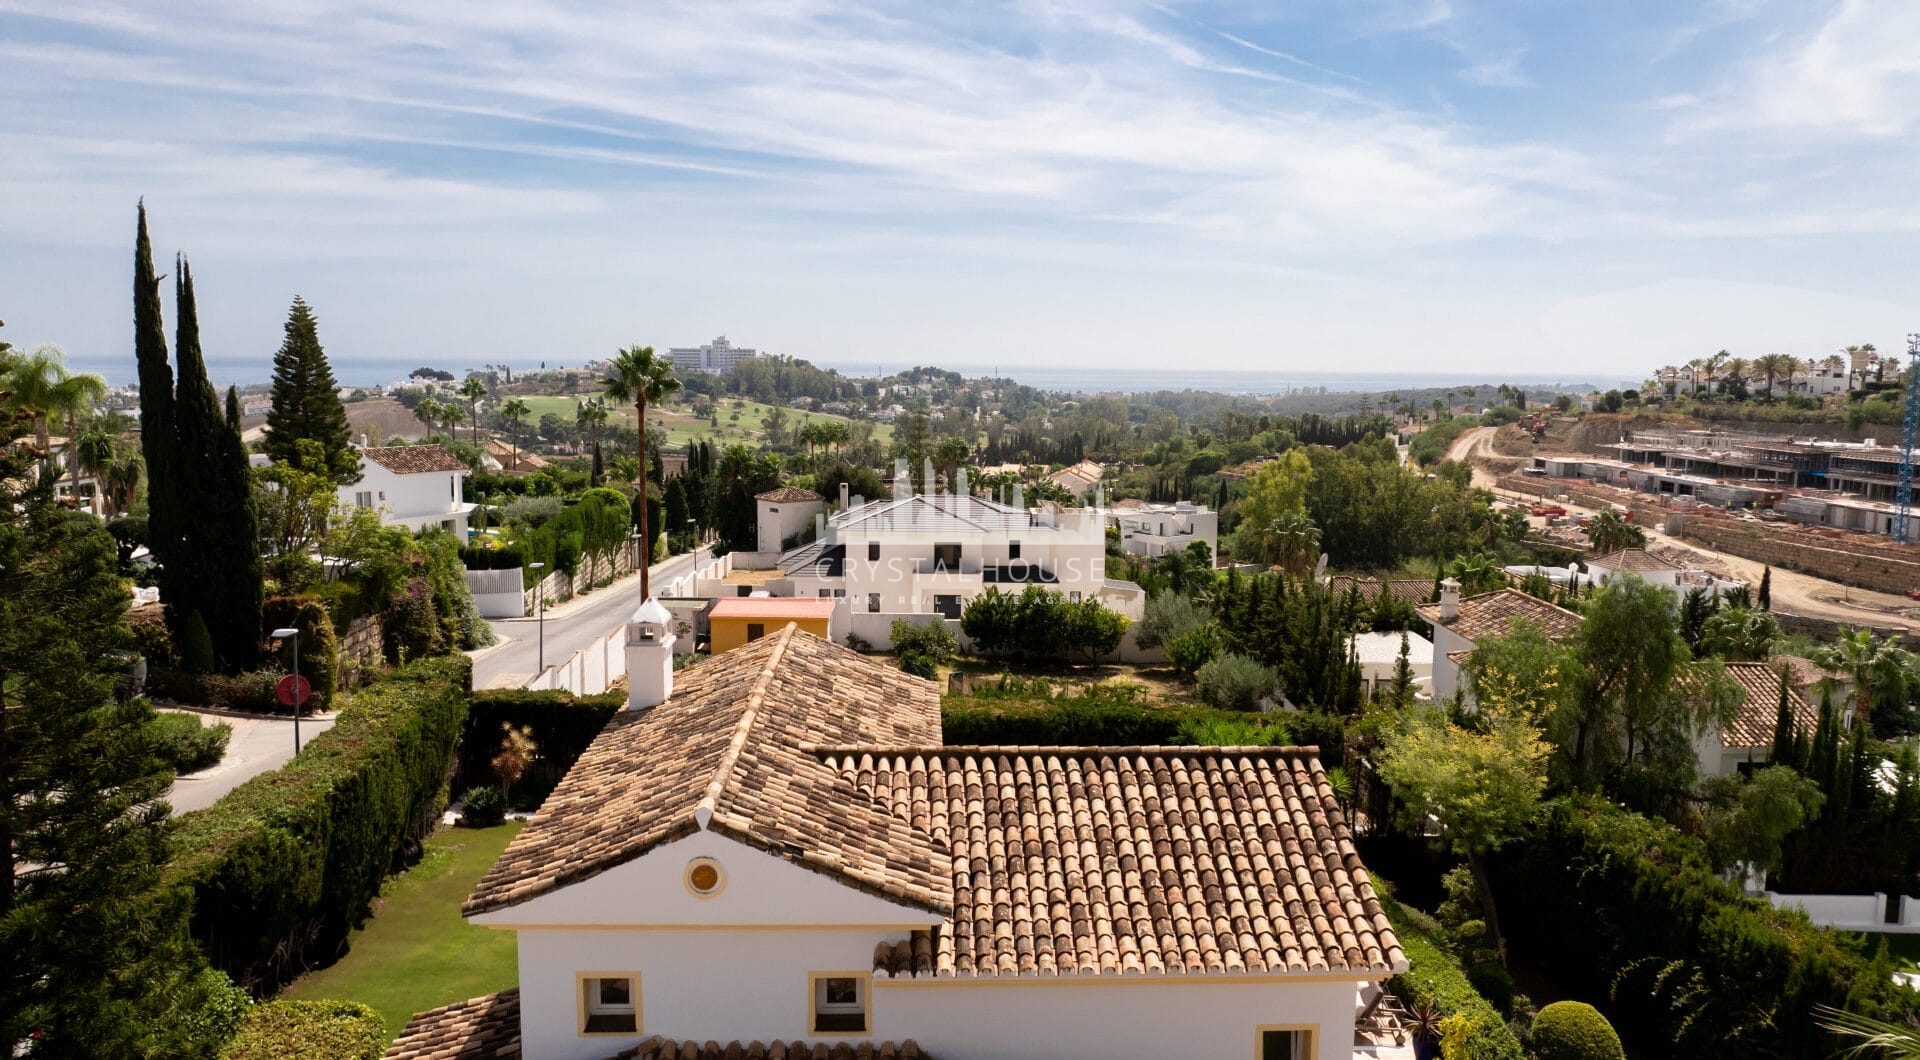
1419	185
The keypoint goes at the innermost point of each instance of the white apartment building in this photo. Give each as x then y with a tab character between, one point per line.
1157	529
415	486
929	554
718	356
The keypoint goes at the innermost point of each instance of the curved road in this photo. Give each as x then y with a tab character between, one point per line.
569	627
1793	593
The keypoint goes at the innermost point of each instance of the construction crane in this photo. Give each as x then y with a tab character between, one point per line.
1903	496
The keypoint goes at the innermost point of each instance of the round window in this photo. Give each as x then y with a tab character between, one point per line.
704	877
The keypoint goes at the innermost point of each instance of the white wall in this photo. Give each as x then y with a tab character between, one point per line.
417	501
779	521
1446	676
1855	912
498	593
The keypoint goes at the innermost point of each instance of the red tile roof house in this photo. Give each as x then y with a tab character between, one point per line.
783	854
1457	623
415	486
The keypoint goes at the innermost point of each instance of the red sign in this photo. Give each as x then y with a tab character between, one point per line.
292	687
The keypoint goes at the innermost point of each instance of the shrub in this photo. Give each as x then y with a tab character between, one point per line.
932	640
1194	648
151	639
1434	978
485	807
917	664
1495	983
289	1030
1167	616
1573	1030
286	864
1235	682
506	557
187	745
1679	951
561	724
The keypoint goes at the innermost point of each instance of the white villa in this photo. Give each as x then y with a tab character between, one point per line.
415	486
923	554
1458	623
1748	743
1157	529
780	854
783	513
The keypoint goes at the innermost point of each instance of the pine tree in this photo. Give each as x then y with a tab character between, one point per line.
306	400
98	960
223	543
1403	685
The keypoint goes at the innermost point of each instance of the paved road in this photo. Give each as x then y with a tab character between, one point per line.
1793	593
570	627
256	746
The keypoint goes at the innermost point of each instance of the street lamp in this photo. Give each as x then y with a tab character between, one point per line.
283	634
635	538
541	585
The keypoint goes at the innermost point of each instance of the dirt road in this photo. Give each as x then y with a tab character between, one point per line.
1795	594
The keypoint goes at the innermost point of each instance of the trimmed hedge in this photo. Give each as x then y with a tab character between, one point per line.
1684	956
563	725
187	744
287	864
315	1030
1434	977
1572	1030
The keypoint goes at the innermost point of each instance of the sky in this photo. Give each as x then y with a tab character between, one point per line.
1536	186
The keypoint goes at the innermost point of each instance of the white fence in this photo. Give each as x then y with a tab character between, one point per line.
498	593
1853	912
590	670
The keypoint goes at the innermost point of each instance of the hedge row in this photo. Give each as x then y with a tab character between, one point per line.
1684	956
563	725
286	864
317	1030
1023	713
1434	977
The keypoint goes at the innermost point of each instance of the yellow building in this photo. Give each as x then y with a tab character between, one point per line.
743	619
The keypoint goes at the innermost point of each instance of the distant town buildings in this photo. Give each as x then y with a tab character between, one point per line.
719	356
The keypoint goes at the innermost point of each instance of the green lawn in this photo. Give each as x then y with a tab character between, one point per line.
683	428
416	953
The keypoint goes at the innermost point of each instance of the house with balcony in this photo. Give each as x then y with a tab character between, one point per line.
415	486
774	850
1156	529
928	554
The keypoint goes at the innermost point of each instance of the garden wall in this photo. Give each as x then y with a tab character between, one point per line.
1883	565
363	642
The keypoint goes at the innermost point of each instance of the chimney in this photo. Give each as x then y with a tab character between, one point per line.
1449	600
649	656
844	489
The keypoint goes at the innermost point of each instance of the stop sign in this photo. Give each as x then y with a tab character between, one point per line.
293	690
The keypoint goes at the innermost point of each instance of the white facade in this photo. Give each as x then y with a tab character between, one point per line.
1157	529
783	514
1379	656
931	554
718	356
737	966
415	499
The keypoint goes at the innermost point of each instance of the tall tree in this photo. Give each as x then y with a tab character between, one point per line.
40	385
473	390
98	961
159	439
591	416
515	410
306	400
641	378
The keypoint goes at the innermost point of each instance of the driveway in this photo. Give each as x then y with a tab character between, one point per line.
570	627
257	745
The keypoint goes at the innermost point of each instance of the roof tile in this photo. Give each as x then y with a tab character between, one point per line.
1494	612
413	459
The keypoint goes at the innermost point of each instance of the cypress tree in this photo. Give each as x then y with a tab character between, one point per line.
224	541
233	409
1766	588
1822	759
599	469
306	400
157	432
1781	753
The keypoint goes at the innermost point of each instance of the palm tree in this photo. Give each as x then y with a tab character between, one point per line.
428	413
1712	365
1769	368
123	481
1294	542
42	387
1735	371
1693	376
640	377
1791	366
1879	667
93	452
1876	1037
1609	533
473	390
515	410
454	415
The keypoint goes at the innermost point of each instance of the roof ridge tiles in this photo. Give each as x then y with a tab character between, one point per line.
1059	750
756	698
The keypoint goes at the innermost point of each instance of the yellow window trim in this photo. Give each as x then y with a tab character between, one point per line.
580	1004
866	999
1313	1037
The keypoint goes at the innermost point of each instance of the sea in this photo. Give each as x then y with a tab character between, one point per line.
350	371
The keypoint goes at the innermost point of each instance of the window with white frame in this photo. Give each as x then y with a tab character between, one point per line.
840	1001
1285	1043
609	1002
363	499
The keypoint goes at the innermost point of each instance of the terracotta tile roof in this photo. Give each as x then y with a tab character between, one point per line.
1109	860
1494	612
1412	590
1805	672
1459	658
788	495
484	1028
728	745
773	607
413	459
1760	706
657	1048
505	455
1637	560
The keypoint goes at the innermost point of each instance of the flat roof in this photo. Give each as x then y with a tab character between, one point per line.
773	607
